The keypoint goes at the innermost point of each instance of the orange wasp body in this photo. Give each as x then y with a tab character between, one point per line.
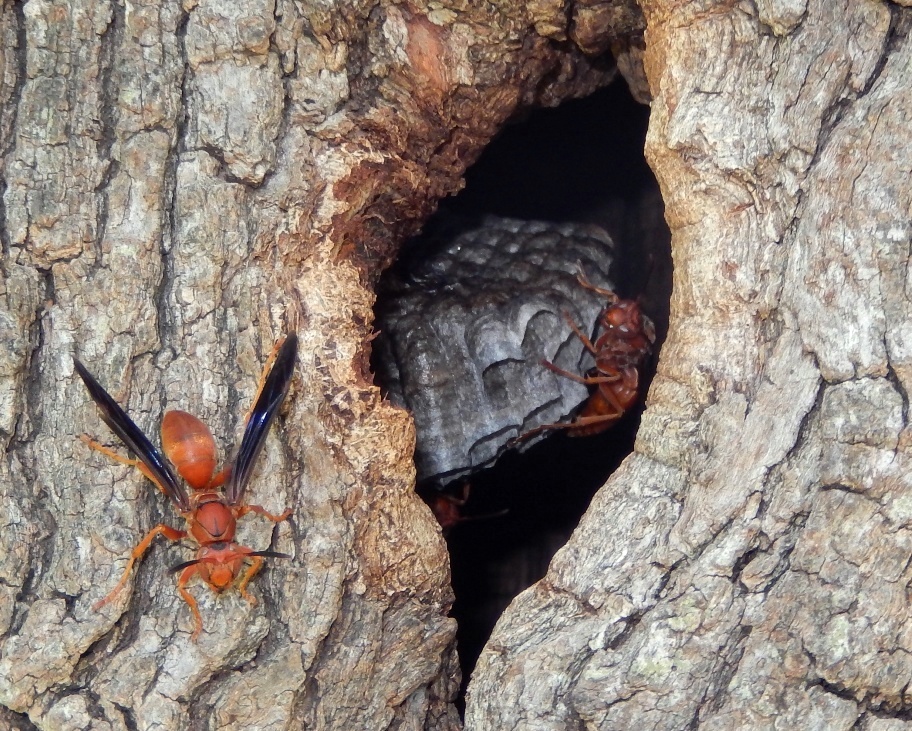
215	502
625	340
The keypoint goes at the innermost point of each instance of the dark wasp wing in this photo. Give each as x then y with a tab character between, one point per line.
137	442
275	387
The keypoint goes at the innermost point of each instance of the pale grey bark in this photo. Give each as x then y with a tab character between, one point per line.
183	182
749	564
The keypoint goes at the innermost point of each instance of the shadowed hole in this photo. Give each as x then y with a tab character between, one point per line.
582	162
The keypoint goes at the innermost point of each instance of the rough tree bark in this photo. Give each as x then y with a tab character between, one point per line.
181	183
749	565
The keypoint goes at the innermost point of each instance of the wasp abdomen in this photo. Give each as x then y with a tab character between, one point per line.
189	445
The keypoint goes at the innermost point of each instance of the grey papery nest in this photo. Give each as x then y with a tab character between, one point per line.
466	318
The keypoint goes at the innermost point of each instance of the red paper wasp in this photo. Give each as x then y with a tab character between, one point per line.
447	506
626	339
216	500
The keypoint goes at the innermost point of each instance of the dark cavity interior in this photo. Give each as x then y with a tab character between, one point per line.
582	162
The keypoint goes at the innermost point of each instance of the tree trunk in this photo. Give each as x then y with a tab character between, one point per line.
748	566
182	183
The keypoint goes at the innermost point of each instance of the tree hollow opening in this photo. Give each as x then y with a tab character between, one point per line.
582	163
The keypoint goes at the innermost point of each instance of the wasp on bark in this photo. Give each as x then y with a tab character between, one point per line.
216	499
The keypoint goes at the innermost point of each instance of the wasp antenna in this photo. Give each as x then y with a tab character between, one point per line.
184	565
269	554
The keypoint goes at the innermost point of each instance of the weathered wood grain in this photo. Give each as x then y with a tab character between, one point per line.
748	566
181	182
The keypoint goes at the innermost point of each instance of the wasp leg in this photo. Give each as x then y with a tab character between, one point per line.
581	422
584	281
612	401
187	574
255	564
587	380
587	343
111	454
264	374
538	430
172	534
222	476
244	509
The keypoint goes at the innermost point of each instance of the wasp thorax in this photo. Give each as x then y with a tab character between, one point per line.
213	521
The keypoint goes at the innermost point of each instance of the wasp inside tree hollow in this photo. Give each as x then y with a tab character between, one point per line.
216	500
625	339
